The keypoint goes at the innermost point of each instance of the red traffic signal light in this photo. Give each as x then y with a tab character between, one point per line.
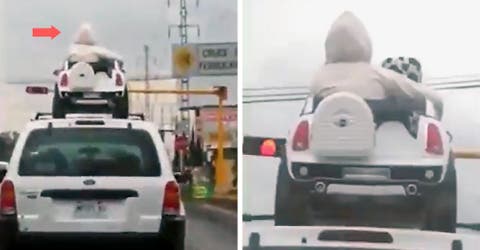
37	90
264	146
268	148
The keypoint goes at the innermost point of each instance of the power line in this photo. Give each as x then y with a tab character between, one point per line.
453	85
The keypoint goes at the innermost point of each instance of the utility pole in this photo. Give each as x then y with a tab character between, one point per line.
147	82
183	27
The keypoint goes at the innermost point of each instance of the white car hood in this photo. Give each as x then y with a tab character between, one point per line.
403	239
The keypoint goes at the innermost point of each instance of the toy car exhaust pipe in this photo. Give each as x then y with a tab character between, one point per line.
320	187
411	189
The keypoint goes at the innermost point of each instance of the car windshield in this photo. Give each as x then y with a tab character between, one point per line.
89	152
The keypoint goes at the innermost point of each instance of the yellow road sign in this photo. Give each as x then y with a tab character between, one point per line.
184	60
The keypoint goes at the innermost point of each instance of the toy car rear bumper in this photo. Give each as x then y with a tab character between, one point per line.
320	187
320	176
91	95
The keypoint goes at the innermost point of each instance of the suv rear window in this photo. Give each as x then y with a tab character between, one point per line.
89	152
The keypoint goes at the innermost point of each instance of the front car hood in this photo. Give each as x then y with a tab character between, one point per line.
308	237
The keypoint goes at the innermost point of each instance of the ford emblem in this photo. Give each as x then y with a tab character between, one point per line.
89	182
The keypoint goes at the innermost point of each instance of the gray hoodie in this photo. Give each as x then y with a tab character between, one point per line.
348	51
85	48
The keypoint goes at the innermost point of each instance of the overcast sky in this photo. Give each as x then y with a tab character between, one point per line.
284	39
122	25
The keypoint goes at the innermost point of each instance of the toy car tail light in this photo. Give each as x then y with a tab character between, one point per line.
268	148
64	80
300	138
7	198
118	80
171	200
434	140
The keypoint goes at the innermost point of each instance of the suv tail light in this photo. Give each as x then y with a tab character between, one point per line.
434	140
171	200
7	198
300	138
64	80
118	80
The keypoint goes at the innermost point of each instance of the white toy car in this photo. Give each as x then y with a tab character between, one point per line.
91	178
344	139
97	86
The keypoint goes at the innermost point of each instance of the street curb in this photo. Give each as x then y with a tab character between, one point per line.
221	216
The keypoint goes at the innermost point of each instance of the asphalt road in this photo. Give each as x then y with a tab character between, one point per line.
204	234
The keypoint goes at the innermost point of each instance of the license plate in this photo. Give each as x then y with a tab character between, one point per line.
90	209
91	95
366	173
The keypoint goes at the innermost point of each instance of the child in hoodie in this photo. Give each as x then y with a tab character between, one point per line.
348	67
84	49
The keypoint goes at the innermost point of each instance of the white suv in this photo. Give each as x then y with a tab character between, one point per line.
97	177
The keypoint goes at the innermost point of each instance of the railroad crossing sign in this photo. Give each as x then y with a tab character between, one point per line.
204	59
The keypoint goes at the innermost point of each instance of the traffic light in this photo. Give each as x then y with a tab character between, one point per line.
263	146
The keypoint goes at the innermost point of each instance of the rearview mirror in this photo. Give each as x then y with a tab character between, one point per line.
264	146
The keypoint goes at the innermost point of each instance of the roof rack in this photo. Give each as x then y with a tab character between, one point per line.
46	116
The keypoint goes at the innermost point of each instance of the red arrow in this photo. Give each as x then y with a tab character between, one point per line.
51	32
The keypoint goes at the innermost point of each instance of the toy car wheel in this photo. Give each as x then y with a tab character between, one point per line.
120	110
441	203
291	208
59	105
